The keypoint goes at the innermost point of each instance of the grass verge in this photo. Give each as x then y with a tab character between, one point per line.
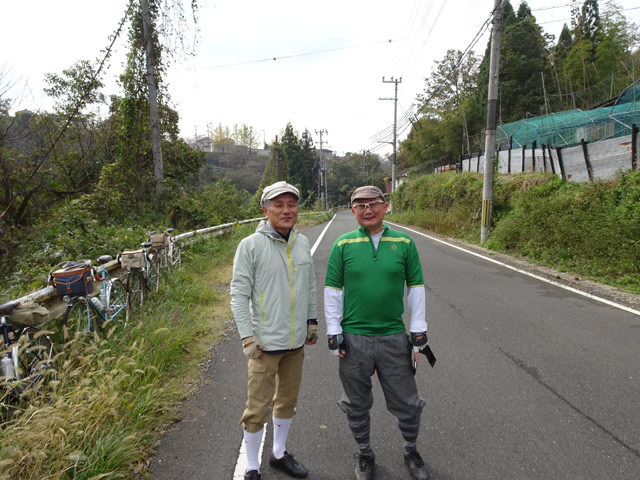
104	413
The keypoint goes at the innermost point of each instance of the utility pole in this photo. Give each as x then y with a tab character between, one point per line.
323	172
492	108
395	120
154	119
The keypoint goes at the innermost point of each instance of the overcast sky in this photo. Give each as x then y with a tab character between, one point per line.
330	58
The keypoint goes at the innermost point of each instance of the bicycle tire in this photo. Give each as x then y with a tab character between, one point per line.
35	360
135	291
153	274
116	301
80	318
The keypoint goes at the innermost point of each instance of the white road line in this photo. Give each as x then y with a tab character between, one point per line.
241	464
524	272
315	245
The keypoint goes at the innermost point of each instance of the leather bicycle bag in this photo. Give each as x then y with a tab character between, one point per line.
73	279
158	240
132	259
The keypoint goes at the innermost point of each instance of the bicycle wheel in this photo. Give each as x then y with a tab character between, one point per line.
80	318
135	291
116	300
153	274
35	360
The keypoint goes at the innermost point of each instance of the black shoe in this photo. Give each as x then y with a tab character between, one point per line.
288	465
416	466
365	467
252	475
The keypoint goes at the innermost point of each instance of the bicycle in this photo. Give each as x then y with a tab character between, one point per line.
87	313
26	352
167	248
142	275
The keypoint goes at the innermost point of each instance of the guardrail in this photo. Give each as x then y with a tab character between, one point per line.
48	298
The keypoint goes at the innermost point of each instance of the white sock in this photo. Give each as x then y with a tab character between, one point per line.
252	442
280	433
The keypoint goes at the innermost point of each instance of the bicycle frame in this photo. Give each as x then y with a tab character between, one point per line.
108	311
87	313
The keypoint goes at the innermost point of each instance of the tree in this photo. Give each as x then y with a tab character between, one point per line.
524	59
614	60
453	77
129	181
47	158
276	169
523	11
301	162
589	21
222	136
245	136
306	167
345	175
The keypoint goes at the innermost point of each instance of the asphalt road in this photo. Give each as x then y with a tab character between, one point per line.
532	382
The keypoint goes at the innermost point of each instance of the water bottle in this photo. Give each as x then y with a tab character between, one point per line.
103	299
97	303
6	367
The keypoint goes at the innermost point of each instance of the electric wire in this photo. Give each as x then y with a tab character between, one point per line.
284	57
384	133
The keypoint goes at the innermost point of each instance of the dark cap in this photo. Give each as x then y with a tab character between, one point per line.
368	191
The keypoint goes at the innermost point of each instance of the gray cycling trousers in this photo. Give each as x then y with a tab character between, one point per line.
390	357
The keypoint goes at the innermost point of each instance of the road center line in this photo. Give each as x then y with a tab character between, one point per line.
524	272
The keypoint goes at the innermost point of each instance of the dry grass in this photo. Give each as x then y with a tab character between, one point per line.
113	398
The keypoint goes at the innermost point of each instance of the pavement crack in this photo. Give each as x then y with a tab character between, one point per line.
535	374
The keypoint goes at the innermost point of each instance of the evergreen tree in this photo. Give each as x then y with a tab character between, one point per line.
307	169
301	160
589	22
523	61
565	42
276	169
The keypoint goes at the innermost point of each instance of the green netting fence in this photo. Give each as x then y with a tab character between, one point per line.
569	128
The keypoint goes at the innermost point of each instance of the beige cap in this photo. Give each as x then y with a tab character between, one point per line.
278	188
368	191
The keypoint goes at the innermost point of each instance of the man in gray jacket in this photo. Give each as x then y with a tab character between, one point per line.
273	299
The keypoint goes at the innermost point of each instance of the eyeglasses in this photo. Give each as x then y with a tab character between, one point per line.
361	207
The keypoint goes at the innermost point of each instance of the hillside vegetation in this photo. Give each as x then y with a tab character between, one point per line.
589	229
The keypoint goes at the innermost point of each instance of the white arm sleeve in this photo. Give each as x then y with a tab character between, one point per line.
416	300
333	310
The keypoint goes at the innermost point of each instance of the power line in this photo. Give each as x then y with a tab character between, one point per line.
316	52
485	25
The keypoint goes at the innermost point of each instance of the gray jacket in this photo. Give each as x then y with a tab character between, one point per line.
273	290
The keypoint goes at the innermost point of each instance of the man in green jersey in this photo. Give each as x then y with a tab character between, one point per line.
363	304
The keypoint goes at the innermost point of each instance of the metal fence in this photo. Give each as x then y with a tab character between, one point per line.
585	162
